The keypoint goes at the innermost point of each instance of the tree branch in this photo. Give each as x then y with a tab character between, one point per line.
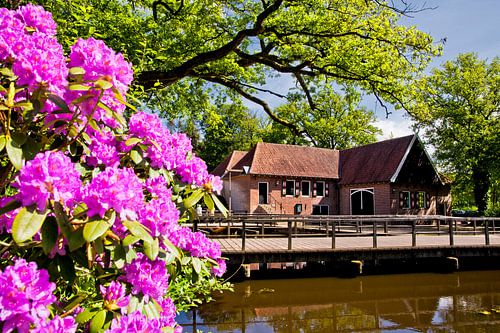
148	78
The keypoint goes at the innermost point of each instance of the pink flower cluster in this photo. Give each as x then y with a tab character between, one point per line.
27	42
101	62
114	296
114	188
49	176
137	322
149	277
24	297
7	219
194	242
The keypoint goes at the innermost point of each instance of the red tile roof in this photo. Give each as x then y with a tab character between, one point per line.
229	163
376	162
289	160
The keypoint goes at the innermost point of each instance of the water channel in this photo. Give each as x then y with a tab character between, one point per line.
458	302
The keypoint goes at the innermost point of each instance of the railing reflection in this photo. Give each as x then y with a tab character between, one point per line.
435	303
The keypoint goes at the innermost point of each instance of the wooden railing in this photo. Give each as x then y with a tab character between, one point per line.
335	226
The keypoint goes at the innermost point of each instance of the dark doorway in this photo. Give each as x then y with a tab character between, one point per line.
263	194
362	202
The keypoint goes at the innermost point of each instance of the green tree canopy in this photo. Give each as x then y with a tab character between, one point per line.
458	108
330	120
182	48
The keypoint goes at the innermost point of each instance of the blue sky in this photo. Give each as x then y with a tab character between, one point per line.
467	25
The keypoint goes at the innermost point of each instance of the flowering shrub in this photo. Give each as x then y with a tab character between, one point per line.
91	234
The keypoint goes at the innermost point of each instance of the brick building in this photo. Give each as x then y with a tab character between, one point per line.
389	177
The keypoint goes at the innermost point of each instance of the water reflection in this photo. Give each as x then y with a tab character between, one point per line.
394	303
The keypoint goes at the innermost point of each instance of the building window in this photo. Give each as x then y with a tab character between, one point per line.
290	188
404	200
306	188
263	193
421	200
320	210
320	189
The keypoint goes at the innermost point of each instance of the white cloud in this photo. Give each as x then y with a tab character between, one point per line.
393	128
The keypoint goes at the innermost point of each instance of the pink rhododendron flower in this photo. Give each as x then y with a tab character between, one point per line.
49	176
114	188
56	325
114	296
7	219
25	294
37	18
101	62
134	323
149	277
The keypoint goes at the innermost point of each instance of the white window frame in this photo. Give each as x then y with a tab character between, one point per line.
286	189
324	189
302	188
267	193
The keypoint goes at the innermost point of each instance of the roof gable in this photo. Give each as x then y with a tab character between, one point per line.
229	163
376	162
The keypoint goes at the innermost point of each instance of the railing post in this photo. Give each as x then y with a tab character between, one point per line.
474	222
374	234
229	226
289	234
439	225
327	227
493	227
262	229
450	225
333	234
386	229
486	232
358	228
243	235
413	233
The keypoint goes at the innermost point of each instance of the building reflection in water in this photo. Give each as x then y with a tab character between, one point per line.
394	303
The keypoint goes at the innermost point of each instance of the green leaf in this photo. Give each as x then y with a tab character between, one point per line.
15	154
98	321
129	240
207	198
79	87
196	264
220	205
49	234
132	141
59	102
93	230
151	249
76	71
138	230
103	84
19	138
86	315
27	223
3	141
193	198
77	300
31	148
173	249
76	240
136	156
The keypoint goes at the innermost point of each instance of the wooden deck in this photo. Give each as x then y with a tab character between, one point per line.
320	244
250	239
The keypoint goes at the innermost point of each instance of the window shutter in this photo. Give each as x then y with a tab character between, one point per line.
401	201
412	199
427	200
327	191
297	188
283	187
314	189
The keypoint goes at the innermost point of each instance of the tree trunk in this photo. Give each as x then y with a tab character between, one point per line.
481	180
